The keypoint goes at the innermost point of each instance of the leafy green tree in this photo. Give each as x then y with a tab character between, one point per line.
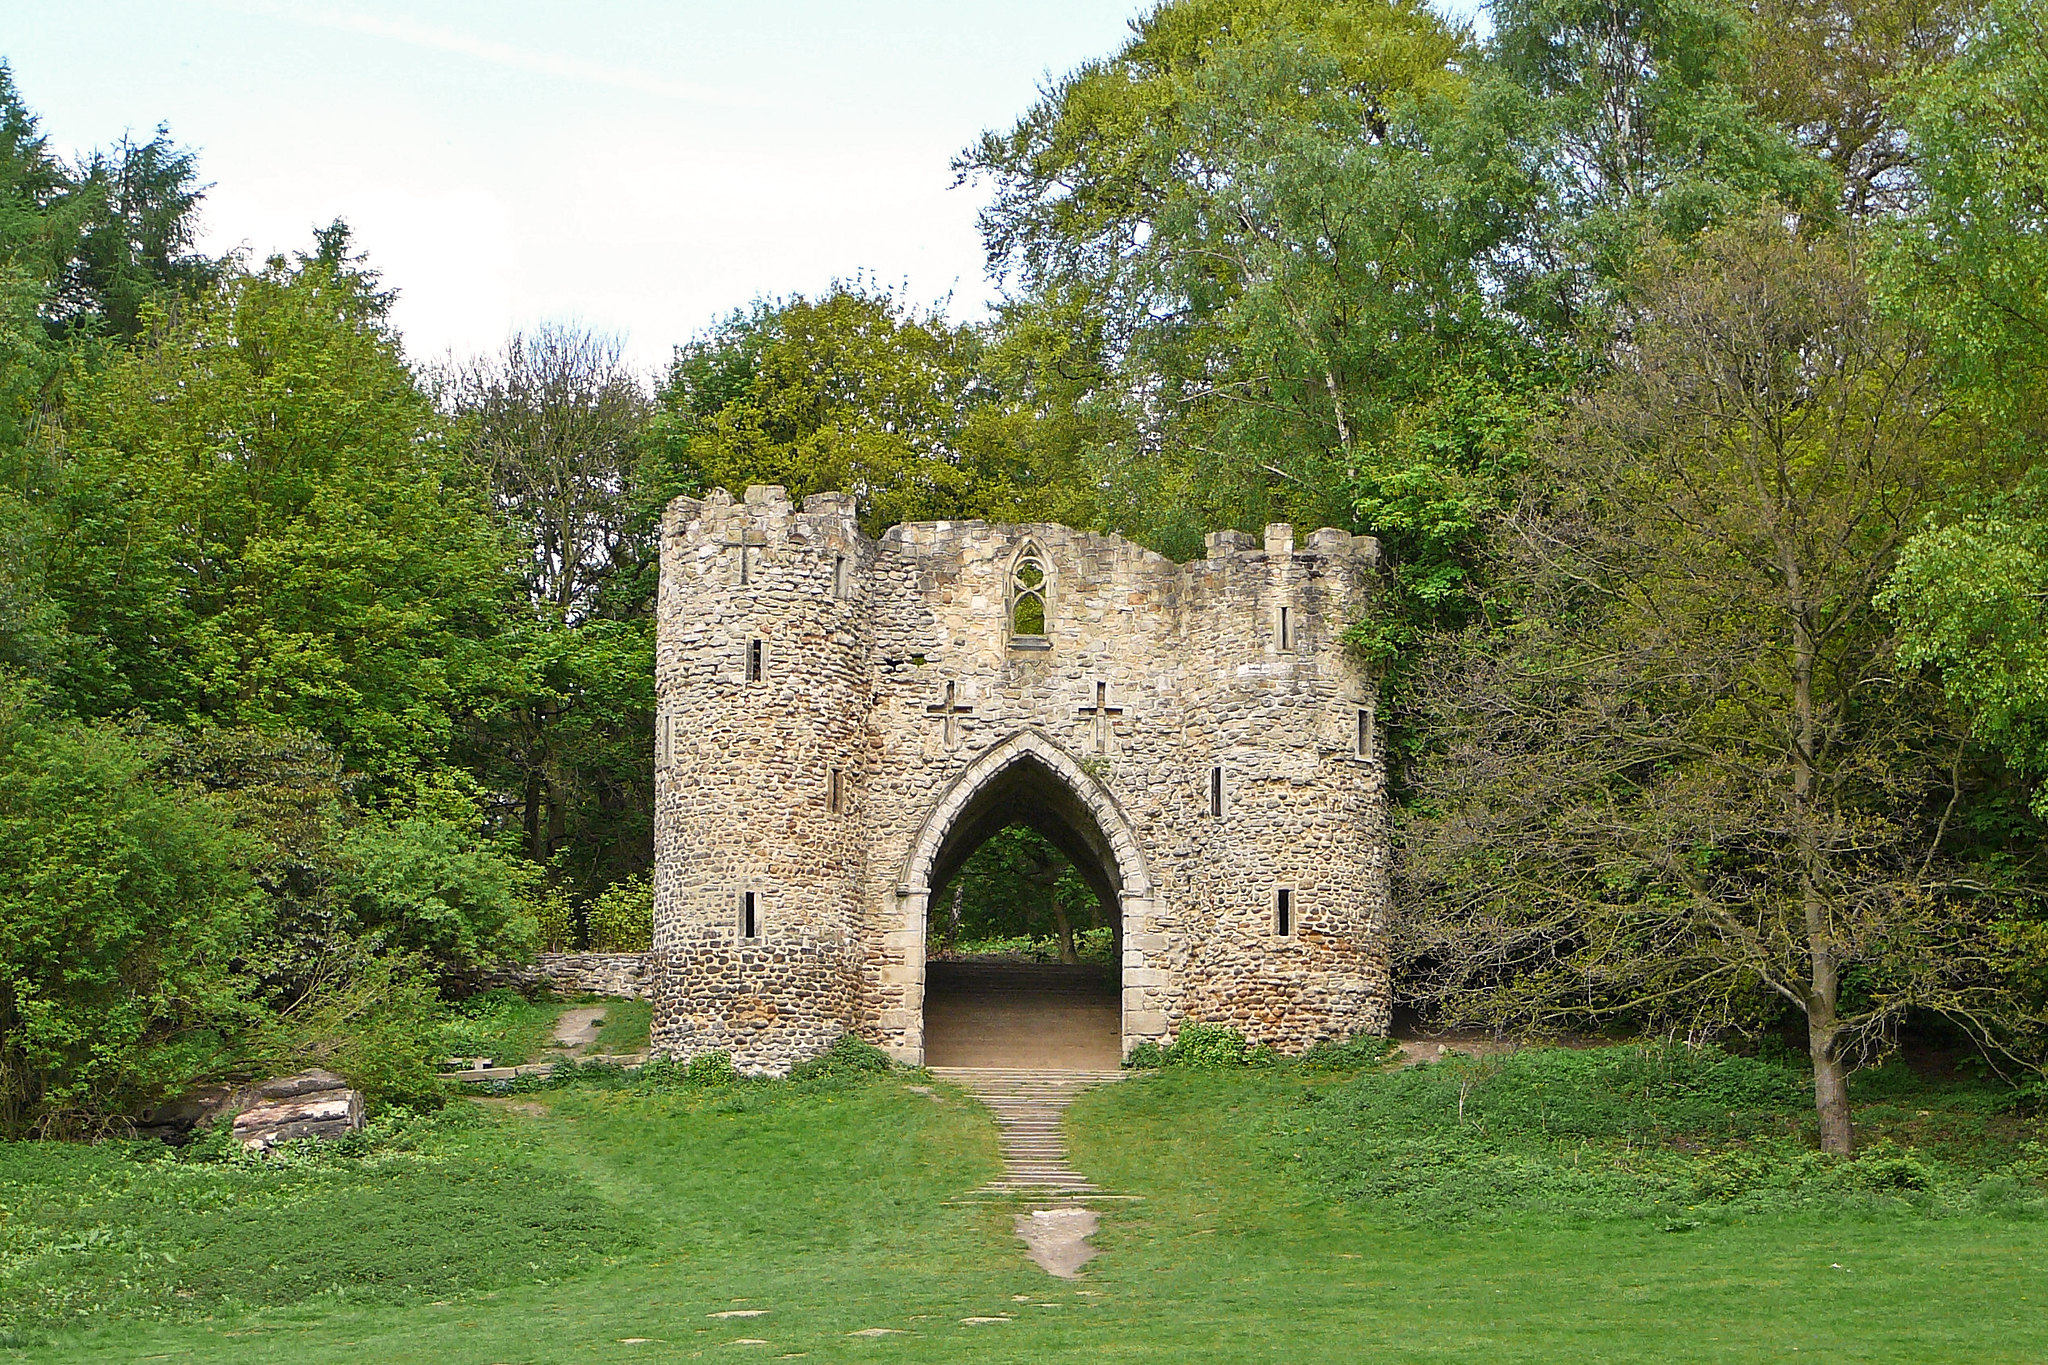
1637	116
1831	73
556	422
1016	885
256	522
1693	772
1252	245
1969	264
1969	600
429	883
853	392
31	180
133	218
124	904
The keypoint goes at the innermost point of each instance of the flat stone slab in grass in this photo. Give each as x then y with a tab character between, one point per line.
1058	1239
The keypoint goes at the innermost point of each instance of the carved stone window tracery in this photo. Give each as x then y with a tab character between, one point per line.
1030	593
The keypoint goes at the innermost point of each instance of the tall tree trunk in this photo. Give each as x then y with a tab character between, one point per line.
1823	1024
536	825
1830	1078
558	819
1065	927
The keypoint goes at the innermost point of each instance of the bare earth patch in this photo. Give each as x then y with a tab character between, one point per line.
576	1030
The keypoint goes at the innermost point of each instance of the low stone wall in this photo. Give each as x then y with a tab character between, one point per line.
628	976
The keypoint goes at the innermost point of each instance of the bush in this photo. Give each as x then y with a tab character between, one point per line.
622	918
375	1020
709	1069
123	904
1213	1046
848	1056
432	885
554	921
1205	1046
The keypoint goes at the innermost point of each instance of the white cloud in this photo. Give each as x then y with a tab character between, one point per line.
438	38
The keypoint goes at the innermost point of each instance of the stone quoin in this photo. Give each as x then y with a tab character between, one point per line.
842	721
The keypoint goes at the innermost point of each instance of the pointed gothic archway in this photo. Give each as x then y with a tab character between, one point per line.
1028	780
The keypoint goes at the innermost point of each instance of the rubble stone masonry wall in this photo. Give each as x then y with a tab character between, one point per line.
841	721
625	976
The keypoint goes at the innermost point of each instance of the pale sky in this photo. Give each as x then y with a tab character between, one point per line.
636	167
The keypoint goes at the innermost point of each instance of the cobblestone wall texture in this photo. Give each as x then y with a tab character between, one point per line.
842	721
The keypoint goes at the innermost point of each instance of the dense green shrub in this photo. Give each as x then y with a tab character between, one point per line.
1208	1046
554	921
621	919
429	883
123	905
848	1056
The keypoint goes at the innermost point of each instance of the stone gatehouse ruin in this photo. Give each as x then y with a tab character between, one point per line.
842	721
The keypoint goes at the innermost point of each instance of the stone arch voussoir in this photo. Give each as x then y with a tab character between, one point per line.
1025	746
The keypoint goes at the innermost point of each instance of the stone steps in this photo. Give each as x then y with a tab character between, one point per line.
1027	1104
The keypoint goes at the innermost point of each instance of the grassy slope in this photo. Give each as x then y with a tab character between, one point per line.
510	1029
825	1206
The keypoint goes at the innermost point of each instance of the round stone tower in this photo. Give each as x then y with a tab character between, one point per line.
762	669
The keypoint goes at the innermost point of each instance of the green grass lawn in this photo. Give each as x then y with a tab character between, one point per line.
510	1029
1571	1214
626	1026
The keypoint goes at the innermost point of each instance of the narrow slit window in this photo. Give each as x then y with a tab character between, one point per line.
750	916
1216	792
1286	631
1283	912
842	579
754	660
835	791
1364	733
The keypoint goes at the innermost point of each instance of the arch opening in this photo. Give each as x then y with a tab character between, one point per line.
1025	866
